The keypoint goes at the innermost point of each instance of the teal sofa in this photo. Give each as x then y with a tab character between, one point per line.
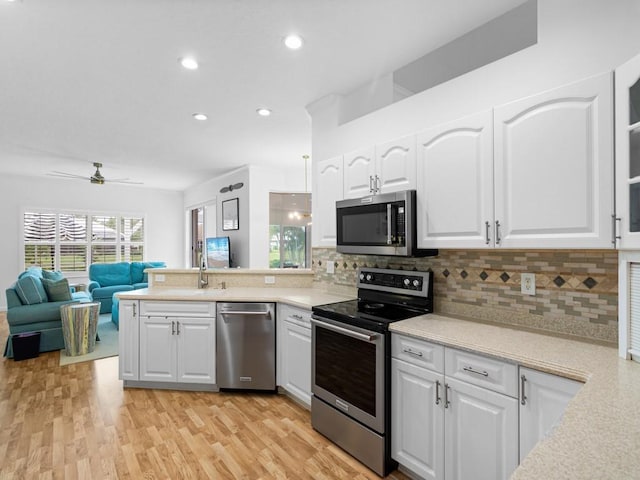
42	312
109	278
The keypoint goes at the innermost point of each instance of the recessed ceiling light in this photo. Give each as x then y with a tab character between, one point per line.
200	116
293	41
189	63
263	112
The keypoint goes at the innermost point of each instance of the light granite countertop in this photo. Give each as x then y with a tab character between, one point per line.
298	297
599	435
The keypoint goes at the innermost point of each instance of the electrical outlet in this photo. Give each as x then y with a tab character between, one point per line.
159	277
528	283
331	267
269	280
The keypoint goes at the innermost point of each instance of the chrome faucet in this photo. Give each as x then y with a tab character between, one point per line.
203	278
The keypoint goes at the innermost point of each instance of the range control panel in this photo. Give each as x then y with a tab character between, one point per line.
400	281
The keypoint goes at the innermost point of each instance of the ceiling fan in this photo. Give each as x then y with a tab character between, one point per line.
231	188
97	178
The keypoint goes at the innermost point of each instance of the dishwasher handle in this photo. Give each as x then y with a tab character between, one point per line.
242	312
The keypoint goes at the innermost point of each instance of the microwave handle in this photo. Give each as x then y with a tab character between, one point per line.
388	224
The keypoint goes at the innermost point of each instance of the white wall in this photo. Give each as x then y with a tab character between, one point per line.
162	210
576	39
250	243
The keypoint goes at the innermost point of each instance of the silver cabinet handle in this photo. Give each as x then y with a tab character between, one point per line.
173	327
412	352
377	184
477	372
614	229
134	309
388	224
446	395
371	184
487	226
498	239
523	397
438	399
177	328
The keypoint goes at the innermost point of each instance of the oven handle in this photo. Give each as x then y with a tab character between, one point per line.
345	331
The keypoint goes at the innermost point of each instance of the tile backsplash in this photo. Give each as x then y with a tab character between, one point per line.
576	290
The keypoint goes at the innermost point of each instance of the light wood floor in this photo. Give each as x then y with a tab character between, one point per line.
77	422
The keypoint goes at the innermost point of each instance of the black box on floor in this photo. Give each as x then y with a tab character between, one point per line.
26	345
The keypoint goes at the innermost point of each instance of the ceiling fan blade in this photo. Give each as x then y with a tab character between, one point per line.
123	180
67	175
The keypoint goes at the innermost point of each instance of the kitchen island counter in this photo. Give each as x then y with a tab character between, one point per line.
297	297
599	434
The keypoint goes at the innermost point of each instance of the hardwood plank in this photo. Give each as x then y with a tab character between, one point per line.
77	422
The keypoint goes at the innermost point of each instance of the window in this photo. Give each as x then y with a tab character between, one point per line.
71	242
289	230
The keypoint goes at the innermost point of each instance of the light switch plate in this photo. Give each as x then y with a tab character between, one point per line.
269	280
159	277
331	268
528	283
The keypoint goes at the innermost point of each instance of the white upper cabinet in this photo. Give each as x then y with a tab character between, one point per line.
396	165
628	153
327	190
359	173
455	184
553	163
389	167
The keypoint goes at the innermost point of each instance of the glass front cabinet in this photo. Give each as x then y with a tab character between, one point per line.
627	121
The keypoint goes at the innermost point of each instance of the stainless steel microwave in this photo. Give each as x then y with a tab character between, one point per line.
379	225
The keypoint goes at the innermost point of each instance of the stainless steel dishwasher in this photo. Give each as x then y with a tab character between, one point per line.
246	346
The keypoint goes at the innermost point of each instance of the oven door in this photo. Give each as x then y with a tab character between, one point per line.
347	370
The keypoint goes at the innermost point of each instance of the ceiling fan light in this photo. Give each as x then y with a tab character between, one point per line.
189	63
293	41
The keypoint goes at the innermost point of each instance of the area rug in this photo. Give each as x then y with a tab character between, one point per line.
107	346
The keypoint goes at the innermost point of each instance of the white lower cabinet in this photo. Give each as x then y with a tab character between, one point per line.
294	351
543	399
480	432
460	415
417	425
128	340
164	341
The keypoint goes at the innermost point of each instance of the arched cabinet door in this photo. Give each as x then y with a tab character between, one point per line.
359	173
553	160
628	153
455	184
327	189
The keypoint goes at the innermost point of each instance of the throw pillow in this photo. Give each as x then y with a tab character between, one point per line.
57	290
30	290
33	271
52	275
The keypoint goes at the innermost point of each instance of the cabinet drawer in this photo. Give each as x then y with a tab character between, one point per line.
418	352
496	375
298	316
173	309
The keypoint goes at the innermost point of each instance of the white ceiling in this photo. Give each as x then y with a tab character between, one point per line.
99	80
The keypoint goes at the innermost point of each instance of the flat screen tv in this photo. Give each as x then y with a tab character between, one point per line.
218	252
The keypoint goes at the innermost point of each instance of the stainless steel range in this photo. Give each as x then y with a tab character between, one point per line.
351	361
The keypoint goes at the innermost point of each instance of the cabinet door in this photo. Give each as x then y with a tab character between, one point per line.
455	184
158	349
554	168
128	340
628	152
481	433
296	358
417	419
359	173
196	350
396	165
543	399
327	189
